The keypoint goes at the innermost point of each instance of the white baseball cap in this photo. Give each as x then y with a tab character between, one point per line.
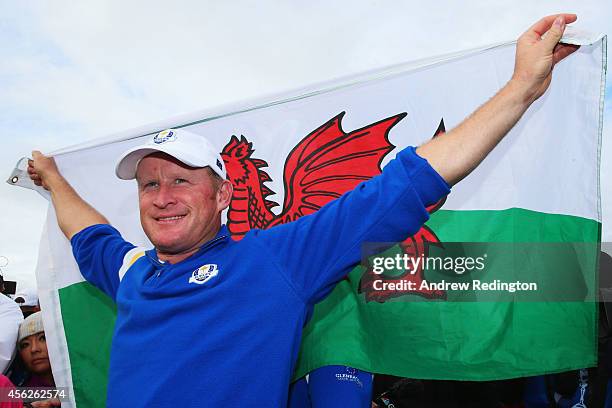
26	297
189	148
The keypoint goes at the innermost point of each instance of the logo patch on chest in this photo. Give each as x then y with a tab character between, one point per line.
204	273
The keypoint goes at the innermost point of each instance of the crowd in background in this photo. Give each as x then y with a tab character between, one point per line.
24	359
24	362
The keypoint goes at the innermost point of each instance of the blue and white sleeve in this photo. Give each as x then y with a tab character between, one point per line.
318	250
100	251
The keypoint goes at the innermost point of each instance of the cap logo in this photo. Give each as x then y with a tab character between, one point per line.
164	136
219	165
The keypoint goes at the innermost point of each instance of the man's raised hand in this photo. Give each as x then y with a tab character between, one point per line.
73	213
456	153
41	168
537	52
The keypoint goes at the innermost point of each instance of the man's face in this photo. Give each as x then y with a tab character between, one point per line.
180	206
33	352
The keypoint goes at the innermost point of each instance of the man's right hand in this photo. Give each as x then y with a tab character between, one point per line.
42	169
73	213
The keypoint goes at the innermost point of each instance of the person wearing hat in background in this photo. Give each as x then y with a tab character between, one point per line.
205	320
32	346
27	299
33	354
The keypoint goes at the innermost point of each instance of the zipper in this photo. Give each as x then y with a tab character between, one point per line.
161	265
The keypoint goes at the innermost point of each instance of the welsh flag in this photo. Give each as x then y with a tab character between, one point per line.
289	155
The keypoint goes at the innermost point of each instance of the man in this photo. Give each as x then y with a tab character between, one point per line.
203	320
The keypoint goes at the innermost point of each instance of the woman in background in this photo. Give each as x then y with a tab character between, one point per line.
32	346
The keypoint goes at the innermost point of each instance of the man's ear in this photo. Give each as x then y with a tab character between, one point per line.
224	195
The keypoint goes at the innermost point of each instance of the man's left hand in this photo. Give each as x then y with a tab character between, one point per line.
537	52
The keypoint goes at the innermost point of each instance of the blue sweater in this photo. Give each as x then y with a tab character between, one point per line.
223	327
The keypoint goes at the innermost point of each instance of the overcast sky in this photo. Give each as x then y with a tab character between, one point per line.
75	71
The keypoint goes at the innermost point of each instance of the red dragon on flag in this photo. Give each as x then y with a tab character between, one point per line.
324	165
